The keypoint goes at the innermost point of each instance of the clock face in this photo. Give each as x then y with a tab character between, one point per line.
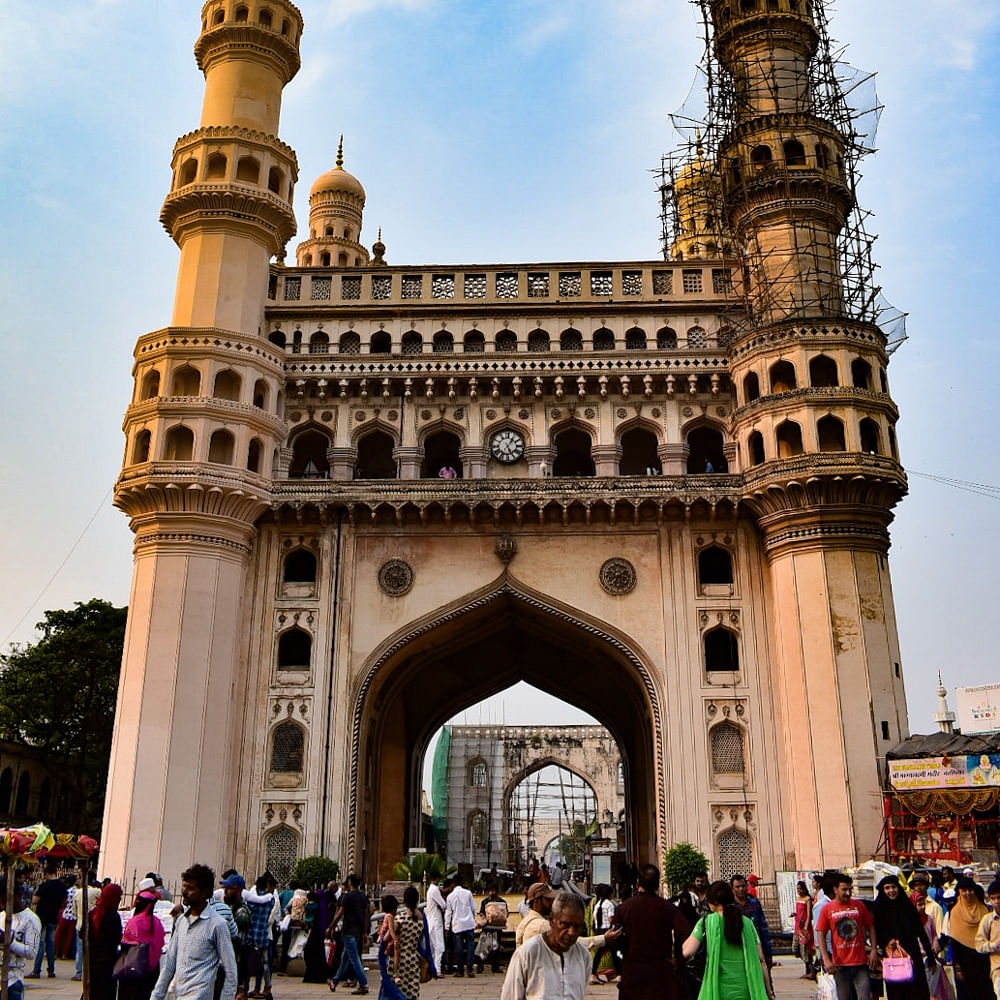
507	446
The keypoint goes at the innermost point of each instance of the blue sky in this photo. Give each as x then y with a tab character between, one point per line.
485	132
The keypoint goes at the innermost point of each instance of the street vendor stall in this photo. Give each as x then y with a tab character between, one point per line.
942	800
33	844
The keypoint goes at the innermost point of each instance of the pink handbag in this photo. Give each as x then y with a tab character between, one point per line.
897	966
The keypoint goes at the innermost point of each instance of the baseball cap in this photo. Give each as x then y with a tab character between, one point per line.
233	882
540	889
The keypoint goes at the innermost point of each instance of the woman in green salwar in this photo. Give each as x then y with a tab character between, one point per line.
734	964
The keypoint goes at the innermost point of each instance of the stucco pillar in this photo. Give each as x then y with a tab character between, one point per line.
673	458
473	462
409	461
606	459
341	462
537	456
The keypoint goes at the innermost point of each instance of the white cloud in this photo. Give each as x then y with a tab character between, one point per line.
540	33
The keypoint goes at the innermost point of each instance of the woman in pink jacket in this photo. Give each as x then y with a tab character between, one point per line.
143	927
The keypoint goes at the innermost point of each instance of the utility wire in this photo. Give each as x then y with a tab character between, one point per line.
59	568
979	489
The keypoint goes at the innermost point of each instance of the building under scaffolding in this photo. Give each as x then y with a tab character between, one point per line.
504	794
722	179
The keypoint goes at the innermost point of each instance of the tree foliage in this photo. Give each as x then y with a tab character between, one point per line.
420	867
680	865
58	695
316	872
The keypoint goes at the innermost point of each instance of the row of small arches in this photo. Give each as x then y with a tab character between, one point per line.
715	567
504	342
824	372
758	6
248	171
794	155
186	381
265	17
720	650
179	446
830	437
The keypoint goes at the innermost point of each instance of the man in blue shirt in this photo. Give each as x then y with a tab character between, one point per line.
200	945
751	908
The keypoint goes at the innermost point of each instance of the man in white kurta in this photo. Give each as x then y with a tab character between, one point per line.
434	911
554	965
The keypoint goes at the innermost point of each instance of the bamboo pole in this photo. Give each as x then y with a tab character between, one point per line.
8	925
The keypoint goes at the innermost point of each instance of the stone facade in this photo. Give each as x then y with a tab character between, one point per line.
665	498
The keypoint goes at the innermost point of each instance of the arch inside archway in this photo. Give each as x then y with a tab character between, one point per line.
427	674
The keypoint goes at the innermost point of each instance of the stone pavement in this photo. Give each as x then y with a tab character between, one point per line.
787	986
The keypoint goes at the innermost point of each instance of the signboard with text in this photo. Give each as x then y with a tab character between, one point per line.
978	771
978	708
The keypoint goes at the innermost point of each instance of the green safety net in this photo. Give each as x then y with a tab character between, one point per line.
439	786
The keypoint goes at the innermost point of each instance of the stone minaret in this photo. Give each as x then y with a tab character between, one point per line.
202	434
814	425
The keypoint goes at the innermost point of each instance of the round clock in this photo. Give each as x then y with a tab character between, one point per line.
507	446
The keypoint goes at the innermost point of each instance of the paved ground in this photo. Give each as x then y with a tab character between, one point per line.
486	987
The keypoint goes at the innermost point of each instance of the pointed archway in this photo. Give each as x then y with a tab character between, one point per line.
475	647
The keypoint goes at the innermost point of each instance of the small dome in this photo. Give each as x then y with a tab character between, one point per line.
338	180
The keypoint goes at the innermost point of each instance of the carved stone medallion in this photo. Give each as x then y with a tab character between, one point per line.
618	577
506	548
395	577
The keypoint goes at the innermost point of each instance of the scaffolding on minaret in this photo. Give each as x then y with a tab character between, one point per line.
840	95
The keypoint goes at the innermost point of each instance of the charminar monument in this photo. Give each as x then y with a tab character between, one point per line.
367	495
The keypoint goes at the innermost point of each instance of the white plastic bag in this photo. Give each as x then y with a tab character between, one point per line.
826	987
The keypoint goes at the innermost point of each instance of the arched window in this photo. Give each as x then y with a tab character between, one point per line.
309	459
823	372
288	744
735	854
635	339
666	339
506	342
275	180
697	337
721	650
604	340
883	382
187	381
861	374
282	852
277	338
477	774
573	456
441	453
45	799
830	432
300	567
219	16
444	343
375	458
150	385
412	343
248	170
23	791
264	17
538	341
242	14
350	343
783	376
761	156
294	650
227	385
894	451
260	394
381	343
751	387
217	164
795	153
755	445
140	447
253	455
822	156
474	342
871	438
639	453
705	452
319	343
479	830
715	566
571	340
324	259
189	172
788	438
727	749
6	789
220	448
179	445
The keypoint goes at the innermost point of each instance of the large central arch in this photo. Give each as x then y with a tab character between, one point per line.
439	665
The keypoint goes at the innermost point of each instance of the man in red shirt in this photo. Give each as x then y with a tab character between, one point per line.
849	923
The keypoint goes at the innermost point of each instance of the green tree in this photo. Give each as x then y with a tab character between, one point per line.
316	871
680	865
420	866
58	695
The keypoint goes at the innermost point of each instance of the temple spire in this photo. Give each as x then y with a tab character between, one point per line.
340	153
944	717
